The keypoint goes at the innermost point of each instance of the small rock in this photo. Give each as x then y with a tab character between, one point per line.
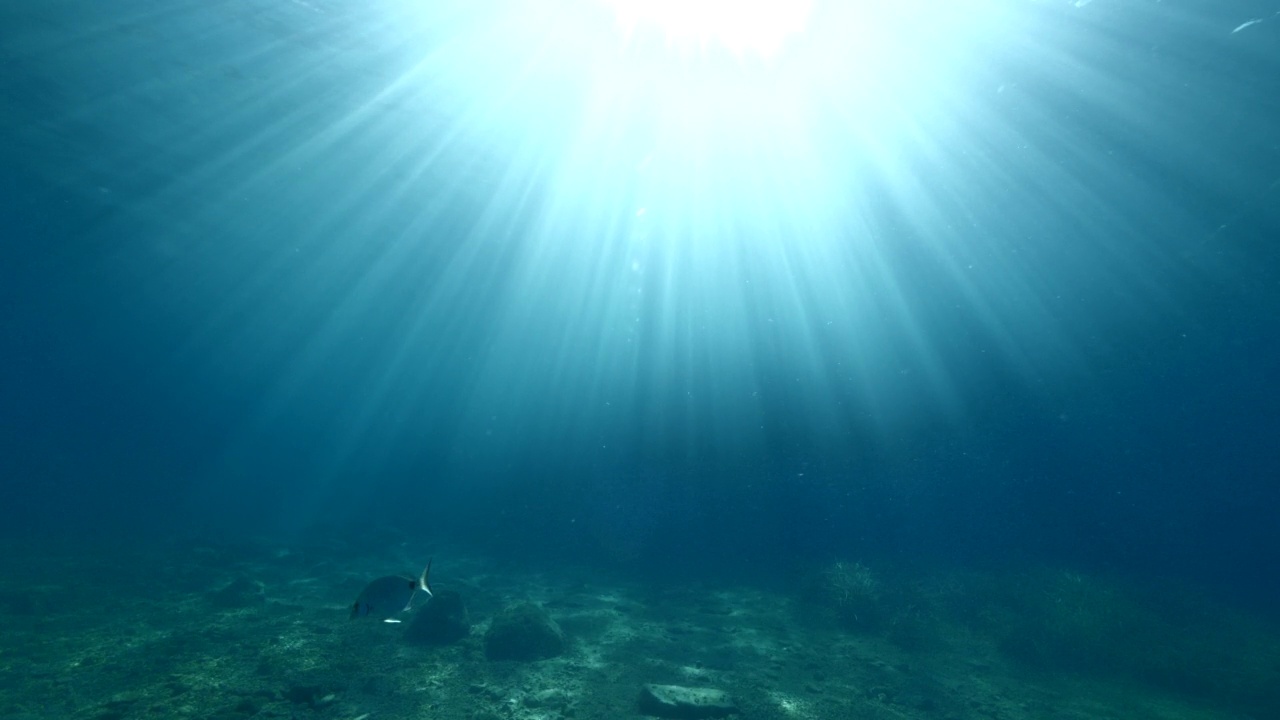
685	703
552	698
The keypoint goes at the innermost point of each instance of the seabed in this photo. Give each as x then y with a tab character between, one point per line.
260	630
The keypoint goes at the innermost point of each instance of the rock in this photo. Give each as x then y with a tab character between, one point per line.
442	621
524	632
549	699
685	703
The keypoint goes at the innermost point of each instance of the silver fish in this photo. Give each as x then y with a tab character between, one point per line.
390	595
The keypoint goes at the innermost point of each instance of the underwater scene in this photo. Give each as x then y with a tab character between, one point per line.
598	359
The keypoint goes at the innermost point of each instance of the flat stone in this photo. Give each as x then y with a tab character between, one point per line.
685	703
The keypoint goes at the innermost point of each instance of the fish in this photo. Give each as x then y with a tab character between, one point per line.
389	596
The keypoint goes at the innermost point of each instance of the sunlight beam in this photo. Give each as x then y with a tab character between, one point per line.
745	27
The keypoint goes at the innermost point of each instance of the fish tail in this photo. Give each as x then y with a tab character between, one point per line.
423	585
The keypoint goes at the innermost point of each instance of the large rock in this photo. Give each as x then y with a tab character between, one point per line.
442	621
685	703
524	632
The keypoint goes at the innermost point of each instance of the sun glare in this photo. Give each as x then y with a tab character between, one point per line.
744	27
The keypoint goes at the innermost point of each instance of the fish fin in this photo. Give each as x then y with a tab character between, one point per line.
422	580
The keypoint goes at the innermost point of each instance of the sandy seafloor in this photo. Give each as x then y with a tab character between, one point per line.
111	633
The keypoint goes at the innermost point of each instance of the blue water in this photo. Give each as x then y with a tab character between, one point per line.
271	266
